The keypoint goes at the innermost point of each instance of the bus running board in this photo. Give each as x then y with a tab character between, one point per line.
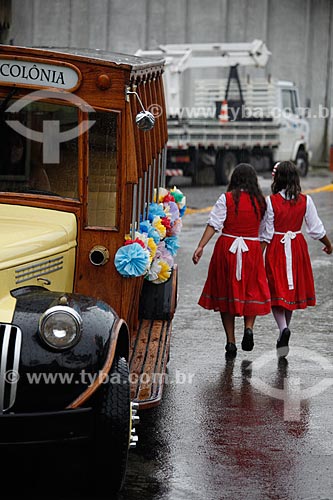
148	362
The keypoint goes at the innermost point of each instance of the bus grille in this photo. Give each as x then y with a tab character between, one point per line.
10	350
39	269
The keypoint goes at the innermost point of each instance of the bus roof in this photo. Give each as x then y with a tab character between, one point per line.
135	64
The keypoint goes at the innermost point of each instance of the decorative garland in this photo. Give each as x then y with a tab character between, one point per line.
151	253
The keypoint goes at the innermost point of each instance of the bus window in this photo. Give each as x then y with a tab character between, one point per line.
102	194
24	166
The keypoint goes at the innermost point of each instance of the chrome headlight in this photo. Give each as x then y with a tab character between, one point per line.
60	327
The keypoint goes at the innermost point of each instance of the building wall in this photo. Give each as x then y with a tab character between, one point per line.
299	34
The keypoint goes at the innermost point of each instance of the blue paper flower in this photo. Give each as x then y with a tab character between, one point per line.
155	209
131	260
182	210
171	244
146	227
153	233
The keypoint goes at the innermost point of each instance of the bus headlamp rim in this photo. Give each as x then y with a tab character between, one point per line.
72	314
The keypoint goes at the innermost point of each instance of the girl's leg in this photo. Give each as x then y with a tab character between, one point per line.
288	316
228	321
279	314
249	321
247	342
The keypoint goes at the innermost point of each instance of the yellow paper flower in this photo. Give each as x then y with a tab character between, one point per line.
165	271
152	248
157	224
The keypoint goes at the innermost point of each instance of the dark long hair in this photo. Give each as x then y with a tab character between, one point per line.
286	177
244	178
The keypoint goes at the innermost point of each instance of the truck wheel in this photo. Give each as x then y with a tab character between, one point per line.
113	421
225	165
302	163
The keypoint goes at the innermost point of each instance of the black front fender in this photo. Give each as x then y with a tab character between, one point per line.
51	379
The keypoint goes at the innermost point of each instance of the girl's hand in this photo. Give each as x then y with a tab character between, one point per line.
328	249
197	255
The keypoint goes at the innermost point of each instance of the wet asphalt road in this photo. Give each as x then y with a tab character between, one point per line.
219	434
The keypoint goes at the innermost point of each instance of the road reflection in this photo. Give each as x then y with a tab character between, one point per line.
250	443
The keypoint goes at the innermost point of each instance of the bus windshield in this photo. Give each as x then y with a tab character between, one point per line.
26	164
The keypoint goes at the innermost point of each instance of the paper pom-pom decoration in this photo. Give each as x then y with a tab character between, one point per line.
164	272
163	253
162	192
137	240
176	228
155	210
159	272
132	260
160	228
152	247
166	222
171	244
147	228
168	198
150	250
173	211
177	194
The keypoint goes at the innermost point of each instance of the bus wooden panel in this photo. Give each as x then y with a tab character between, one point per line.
88	89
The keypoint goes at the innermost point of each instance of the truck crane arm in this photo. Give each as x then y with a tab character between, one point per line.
180	57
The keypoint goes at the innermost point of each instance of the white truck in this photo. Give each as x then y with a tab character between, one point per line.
215	123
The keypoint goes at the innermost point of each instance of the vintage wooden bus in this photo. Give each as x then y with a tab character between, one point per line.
84	221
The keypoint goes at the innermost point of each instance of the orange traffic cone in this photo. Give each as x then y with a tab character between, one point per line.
223	116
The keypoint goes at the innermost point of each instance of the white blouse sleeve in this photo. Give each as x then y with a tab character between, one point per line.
266	229
218	214
314	226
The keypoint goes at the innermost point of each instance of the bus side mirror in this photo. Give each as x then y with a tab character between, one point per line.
144	120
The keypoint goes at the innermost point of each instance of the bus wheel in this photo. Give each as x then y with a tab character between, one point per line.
302	163
113	428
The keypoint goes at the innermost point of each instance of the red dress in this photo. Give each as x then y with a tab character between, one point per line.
248	296
288	216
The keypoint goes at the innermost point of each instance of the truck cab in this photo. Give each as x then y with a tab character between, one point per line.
294	128
87	296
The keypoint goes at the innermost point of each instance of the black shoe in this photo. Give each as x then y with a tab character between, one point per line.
230	350
282	344
247	342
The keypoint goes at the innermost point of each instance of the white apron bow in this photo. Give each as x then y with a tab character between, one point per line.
239	246
286	240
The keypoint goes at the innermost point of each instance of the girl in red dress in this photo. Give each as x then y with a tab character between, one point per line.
288	265
236	284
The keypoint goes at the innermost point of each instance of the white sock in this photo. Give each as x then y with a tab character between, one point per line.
280	318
